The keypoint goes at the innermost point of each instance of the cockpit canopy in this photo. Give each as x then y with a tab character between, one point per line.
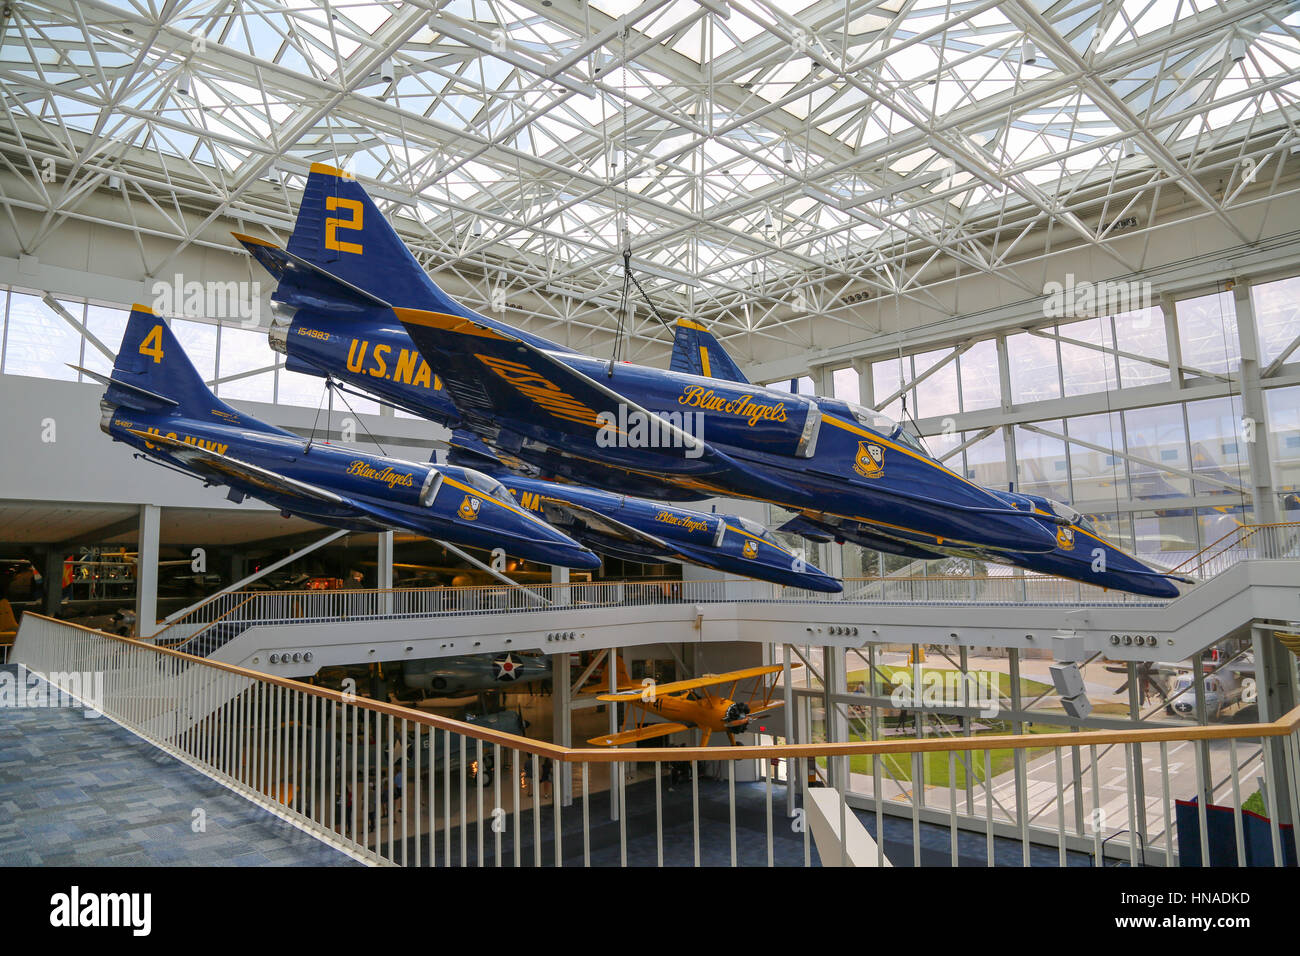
886	426
486	484
756	529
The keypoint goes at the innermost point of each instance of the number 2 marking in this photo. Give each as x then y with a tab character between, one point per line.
332	223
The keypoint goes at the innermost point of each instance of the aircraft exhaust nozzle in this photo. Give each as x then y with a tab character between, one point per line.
106	411
278	337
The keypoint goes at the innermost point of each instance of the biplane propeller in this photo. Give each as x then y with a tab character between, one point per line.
690	703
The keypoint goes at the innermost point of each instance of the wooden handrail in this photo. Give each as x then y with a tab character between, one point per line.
1239	531
1281	727
213	623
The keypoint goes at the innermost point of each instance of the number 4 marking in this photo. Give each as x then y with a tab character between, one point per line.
152	344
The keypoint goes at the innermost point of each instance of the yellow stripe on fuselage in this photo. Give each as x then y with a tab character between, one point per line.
863	433
781	548
484	496
450	323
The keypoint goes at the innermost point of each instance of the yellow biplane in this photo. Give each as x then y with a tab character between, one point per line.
685	704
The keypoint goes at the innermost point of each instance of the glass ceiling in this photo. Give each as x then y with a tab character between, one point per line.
763	163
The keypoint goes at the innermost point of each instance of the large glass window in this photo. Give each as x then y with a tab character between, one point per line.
243	350
1084	369
1164	538
1284	445
1142	333
199	340
108	325
845	385
1115	528
1277	317
1218	446
38	342
1159	436
1041	462
1218	526
885	381
981	383
1035	373
1097	468
1207	332
937	394
986	462
297	388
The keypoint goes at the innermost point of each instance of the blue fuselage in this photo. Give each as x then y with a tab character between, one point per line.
800	452
369	492
668	532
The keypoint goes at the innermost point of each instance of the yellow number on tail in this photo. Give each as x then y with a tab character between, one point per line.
332	223
152	344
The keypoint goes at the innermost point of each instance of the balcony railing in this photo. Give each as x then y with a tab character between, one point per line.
216	620
399	786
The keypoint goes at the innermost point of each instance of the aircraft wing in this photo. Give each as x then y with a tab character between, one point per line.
558	512
648	732
132	396
303	282
709	680
496	377
223	469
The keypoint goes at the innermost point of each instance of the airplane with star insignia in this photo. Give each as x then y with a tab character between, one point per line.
686	704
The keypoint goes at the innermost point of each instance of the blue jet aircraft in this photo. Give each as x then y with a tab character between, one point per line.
642	530
158	403
347	283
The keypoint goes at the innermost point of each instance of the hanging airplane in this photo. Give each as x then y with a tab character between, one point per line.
157	402
348	286
690	703
474	673
637	529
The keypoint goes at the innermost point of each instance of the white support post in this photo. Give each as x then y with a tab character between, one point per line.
833	684
146	572
1253	427
562	719
384	571
615	769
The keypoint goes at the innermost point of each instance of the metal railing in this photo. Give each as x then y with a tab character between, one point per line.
400	786
221	617
1279	541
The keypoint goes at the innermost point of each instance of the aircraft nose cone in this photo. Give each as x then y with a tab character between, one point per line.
585	559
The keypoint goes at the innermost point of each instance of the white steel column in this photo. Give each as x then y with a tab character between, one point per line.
384	570
833	684
561	698
1254	413
146	572
562	729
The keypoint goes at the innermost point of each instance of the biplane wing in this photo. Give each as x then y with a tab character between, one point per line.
708	680
648	732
